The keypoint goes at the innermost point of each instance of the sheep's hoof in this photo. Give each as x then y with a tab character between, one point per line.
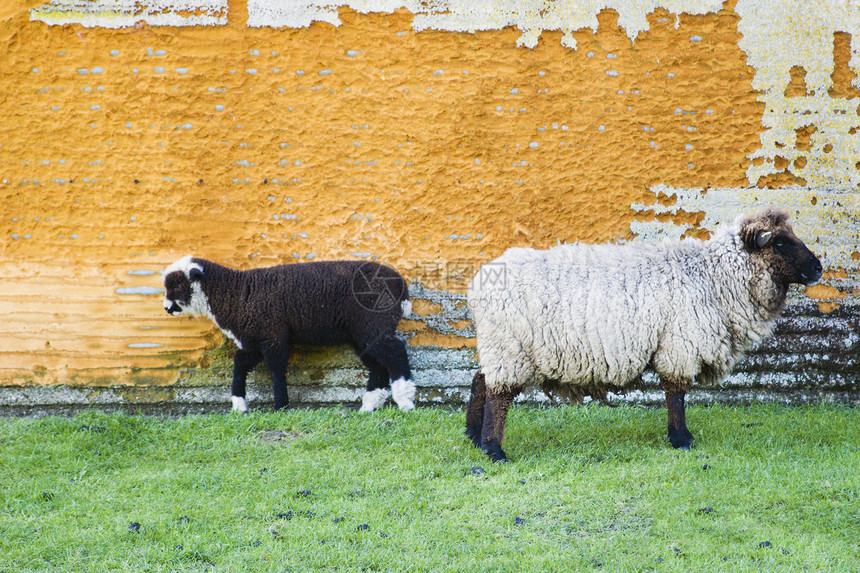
474	437
373	399
403	392
407	406
681	439
239	405
494	450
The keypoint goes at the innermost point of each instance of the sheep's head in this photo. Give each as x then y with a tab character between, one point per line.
182	285
768	237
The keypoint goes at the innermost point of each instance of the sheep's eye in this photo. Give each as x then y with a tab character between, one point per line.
779	243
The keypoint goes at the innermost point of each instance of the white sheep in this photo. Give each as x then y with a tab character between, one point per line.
585	320
266	311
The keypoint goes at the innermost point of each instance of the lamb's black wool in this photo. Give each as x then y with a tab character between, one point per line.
265	311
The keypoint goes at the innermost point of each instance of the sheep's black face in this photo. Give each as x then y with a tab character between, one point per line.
788	259
183	294
791	261
178	292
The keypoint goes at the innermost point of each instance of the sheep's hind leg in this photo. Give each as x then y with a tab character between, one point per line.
377	385
475	409
679	436
243	362
277	357
390	352
496	407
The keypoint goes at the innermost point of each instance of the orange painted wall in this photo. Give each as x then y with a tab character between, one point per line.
121	150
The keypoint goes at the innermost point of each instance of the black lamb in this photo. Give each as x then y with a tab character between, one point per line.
267	310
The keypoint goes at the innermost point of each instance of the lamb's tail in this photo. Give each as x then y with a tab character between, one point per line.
406	306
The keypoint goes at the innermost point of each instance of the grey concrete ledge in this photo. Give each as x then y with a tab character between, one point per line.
175	400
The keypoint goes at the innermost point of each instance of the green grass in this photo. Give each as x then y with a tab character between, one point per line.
766	488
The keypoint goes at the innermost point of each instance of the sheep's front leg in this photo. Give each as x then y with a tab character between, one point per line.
679	436
277	357
243	362
495	415
475	409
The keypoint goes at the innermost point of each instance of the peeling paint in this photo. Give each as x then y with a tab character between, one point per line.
141	290
125	13
450	315
779	35
532	18
826	219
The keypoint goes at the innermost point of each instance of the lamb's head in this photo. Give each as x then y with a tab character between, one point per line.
182	285
769	238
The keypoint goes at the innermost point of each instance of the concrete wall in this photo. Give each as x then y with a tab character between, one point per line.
427	135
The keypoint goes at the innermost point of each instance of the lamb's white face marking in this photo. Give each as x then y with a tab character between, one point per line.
185	264
239	404
374	399
186	297
403	392
182	295
198	304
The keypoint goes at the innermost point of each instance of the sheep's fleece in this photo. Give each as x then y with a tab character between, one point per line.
595	316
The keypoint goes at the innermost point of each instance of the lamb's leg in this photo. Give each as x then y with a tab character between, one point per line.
243	362
679	436
495	415
390	352
277	356
475	409
377	385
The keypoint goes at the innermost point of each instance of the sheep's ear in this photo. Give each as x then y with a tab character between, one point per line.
762	238
195	274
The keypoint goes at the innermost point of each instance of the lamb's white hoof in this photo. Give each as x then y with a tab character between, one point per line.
374	399
403	392
406	406
239	404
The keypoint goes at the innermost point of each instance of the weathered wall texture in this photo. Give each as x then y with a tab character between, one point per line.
428	135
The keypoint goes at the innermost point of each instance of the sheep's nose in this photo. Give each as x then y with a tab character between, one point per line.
813	273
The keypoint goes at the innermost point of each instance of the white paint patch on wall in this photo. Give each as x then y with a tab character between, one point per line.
827	219
777	35
532	17
568	16
781	34
126	13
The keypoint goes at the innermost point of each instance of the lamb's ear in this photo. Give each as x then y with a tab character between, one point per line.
762	238
195	274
